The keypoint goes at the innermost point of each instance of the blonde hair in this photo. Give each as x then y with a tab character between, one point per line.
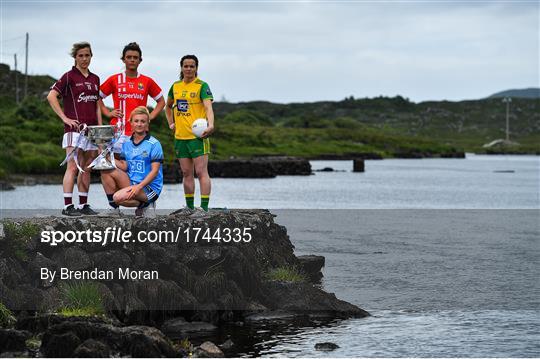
141	110
79	46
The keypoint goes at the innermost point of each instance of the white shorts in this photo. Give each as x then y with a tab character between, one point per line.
71	139
117	148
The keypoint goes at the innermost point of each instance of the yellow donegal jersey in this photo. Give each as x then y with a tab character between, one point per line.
188	105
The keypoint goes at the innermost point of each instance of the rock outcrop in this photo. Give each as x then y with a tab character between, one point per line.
258	167
220	276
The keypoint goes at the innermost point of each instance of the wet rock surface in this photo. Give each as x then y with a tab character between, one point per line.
312	266
326	346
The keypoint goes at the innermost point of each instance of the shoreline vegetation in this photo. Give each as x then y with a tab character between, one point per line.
380	127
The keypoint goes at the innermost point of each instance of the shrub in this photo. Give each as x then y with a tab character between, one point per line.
286	274
249	117
17	236
81	299
6	317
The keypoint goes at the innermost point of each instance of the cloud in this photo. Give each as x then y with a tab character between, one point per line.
291	52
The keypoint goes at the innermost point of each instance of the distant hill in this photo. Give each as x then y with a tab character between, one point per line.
532	92
38	85
385	126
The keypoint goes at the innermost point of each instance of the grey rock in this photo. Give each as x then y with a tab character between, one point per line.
92	349
312	266
326	346
60	345
13	340
305	298
111	260
76	259
208	350
135	341
40	261
273	316
179	327
227	345
213	280
6	186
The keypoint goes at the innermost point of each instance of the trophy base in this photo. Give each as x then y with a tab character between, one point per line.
102	168
101	164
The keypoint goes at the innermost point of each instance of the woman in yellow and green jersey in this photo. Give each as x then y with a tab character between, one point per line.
190	99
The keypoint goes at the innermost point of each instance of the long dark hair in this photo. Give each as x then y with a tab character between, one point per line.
188	57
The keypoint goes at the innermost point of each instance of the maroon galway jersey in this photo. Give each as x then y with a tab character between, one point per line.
79	96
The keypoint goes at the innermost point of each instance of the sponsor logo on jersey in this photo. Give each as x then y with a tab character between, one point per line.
126	96
136	166
86	98
208	92
182	105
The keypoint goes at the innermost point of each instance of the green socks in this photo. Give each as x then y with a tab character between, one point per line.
190	200
204	202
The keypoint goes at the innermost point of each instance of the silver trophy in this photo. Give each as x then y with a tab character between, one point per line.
105	136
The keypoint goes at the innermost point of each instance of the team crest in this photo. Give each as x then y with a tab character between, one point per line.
144	154
140	86
193	94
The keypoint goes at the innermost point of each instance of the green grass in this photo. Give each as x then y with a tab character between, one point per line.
33	343
17	237
6	317
286	274
81	299
391	127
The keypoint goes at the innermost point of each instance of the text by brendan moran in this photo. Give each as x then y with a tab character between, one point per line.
97	274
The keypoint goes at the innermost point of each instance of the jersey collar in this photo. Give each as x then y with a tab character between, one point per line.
147	137
74	68
136	77
194	80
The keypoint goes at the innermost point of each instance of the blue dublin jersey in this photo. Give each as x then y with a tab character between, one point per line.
139	158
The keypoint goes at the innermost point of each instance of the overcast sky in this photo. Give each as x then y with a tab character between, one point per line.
290	51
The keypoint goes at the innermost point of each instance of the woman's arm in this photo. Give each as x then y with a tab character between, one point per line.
169	113
210	117
104	110
98	114
159	107
52	97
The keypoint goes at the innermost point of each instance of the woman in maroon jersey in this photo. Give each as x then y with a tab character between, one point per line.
79	90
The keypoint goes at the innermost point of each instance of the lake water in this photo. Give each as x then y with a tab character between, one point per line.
442	252
394	183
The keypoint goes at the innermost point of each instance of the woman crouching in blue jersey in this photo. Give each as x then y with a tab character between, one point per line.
138	180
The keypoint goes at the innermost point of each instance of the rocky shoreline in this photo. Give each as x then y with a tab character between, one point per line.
202	286
256	167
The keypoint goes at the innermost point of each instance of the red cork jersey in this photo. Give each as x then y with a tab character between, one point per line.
79	96
129	93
